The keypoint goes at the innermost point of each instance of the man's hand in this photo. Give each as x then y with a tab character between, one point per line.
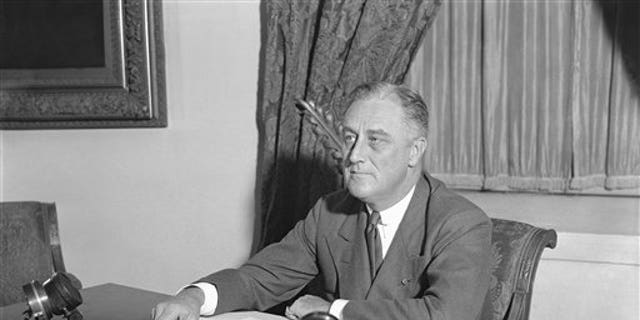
184	306
306	304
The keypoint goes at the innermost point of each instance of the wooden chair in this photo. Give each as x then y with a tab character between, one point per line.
516	249
29	247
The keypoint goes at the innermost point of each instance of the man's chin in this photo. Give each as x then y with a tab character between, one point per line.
358	191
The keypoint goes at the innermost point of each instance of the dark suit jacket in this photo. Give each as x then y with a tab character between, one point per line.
436	268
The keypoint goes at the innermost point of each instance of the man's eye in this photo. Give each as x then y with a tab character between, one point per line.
374	140
349	139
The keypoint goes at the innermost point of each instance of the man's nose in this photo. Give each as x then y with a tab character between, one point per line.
355	153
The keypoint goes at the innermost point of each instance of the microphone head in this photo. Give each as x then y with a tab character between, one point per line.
319	315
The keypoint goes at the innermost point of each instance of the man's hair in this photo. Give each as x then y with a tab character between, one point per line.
415	109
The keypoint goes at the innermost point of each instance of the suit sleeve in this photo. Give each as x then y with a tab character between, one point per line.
457	277
274	275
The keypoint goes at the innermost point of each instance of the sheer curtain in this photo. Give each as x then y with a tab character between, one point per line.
533	95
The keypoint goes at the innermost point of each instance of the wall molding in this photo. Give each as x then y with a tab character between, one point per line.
564	213
596	248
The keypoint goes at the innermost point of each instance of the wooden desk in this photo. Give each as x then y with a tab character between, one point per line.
117	302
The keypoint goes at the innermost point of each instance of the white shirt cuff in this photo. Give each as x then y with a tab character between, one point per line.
336	308
210	304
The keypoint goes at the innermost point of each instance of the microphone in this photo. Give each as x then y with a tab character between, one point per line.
55	296
318	315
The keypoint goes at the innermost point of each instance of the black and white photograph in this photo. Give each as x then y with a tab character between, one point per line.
319	159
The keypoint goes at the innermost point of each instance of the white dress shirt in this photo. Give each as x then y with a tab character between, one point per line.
389	222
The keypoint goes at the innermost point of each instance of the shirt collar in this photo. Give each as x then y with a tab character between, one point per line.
393	215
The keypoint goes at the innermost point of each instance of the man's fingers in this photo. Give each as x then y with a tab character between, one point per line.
292	312
176	308
169	314
156	311
193	317
162	314
289	314
307	304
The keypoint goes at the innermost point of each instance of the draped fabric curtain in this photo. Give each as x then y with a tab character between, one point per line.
533	95
320	50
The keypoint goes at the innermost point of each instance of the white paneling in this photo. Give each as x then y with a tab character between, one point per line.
588	276
567	290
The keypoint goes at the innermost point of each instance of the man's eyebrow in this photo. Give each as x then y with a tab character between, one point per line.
369	132
377	132
348	129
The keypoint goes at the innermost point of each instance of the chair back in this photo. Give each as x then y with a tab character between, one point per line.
29	247
516	249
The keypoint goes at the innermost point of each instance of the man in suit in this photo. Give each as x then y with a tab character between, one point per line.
396	244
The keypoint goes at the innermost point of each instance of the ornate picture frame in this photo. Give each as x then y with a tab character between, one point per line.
126	88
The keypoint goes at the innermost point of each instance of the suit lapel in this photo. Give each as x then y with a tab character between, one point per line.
349	252
405	255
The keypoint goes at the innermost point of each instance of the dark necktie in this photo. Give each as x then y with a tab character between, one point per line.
374	244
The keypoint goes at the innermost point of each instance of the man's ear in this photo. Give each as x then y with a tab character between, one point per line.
418	148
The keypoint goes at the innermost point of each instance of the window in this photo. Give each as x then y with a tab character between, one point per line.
533	95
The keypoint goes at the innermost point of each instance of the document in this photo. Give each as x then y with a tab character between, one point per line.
245	315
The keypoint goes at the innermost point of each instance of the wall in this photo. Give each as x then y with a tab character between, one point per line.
156	208
594	271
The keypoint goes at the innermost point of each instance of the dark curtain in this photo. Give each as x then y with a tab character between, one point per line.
320	51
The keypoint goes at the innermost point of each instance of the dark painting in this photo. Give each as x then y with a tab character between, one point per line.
81	64
45	34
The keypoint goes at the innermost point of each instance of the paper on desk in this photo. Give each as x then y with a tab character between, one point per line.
245	315
230	318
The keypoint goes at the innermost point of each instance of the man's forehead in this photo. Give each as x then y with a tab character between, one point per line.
374	110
